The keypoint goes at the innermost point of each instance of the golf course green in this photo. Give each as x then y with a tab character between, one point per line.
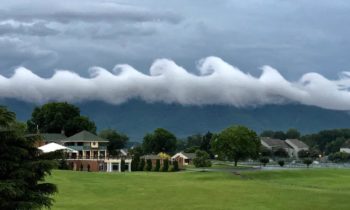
313	189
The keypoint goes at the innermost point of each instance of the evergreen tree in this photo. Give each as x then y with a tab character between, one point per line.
175	166
149	165
142	164
165	165
122	165
135	163
22	171
157	168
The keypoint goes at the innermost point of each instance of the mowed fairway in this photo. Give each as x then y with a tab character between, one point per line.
314	189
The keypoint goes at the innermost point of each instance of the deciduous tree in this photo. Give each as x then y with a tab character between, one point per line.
237	143
116	140
55	117
160	140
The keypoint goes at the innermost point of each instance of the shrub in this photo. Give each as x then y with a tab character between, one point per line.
165	165
339	157
281	163
63	165
122	165
81	167
88	167
135	163
148	165
307	161
201	159
264	160
157	168
142	165
175	165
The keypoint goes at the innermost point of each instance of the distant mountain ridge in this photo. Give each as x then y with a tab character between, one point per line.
136	118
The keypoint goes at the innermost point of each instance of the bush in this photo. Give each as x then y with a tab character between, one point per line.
307	161
142	165
149	165
201	159
264	160
281	163
63	165
165	165
157	168
122	165
81	167
175	165
135	163
339	157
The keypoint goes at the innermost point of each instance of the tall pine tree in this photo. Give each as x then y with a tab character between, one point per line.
22	169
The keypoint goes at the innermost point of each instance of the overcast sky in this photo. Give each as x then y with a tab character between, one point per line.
295	36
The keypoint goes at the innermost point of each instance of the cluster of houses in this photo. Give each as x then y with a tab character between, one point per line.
291	146
86	151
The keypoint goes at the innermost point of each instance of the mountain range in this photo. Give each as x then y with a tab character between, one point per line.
135	118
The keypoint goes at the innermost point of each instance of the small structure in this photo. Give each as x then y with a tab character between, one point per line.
124	152
184	158
297	146
52	147
112	163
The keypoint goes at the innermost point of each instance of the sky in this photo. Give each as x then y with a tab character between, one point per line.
305	42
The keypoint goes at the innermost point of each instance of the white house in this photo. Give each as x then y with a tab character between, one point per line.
297	146
346	150
292	146
184	158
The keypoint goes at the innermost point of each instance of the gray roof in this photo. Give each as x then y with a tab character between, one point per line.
298	143
275	143
84	136
152	157
189	155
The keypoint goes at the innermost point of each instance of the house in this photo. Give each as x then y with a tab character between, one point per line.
91	151
291	146
184	158
88	145
344	149
153	158
297	146
275	144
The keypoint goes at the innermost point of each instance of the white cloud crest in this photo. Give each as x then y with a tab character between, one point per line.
217	82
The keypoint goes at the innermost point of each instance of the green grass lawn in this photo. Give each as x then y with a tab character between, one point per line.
314	189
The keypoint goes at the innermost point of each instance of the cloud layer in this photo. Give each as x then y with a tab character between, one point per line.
216	82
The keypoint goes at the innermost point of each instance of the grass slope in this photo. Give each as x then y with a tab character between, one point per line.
298	189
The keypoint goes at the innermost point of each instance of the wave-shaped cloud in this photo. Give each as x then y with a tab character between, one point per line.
217	82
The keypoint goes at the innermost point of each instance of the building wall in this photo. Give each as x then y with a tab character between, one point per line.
94	165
